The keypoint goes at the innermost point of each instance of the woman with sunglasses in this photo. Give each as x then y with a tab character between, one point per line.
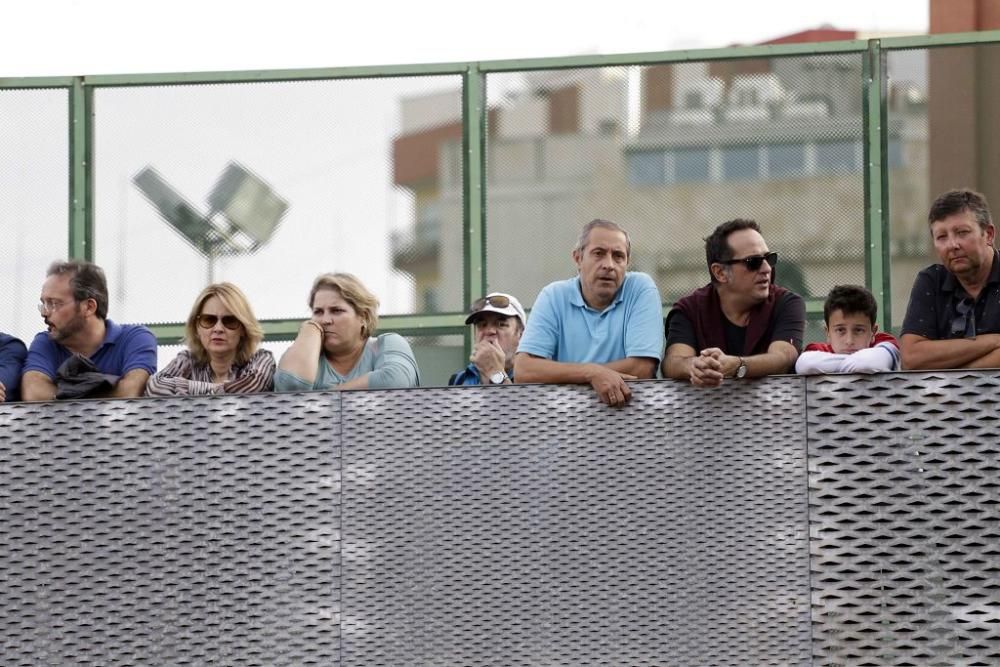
337	349
223	357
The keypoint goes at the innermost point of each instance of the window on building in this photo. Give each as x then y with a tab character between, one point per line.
740	163
431	304
646	168
690	165
693	99
838	157
895	154
786	160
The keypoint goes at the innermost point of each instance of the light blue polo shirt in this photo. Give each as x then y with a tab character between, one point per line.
562	327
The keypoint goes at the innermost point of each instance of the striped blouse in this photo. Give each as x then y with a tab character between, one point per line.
182	377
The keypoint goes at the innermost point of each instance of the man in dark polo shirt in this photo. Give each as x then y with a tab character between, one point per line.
78	335
953	318
739	325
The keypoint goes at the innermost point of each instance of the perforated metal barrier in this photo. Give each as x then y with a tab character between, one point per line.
904	476
829	521
171	532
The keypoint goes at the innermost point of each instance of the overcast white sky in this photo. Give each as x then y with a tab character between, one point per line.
85	37
64	37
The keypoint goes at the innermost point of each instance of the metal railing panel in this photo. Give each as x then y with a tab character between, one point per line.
904	527
177	531
533	526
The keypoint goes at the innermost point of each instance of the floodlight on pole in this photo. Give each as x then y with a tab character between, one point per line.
249	209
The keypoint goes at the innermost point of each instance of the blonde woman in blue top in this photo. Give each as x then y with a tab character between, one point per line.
337	349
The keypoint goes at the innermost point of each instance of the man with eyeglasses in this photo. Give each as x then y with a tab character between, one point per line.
498	320
74	306
12	353
602	327
953	317
740	325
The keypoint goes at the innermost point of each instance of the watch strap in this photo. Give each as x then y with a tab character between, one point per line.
498	378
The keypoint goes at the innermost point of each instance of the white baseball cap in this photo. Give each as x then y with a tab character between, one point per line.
497	302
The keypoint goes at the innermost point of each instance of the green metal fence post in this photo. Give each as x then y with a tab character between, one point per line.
81	219
474	170
877	262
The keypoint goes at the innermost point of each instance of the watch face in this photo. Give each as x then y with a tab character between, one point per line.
741	371
498	377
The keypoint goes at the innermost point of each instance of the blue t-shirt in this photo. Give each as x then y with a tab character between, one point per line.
562	327
12	354
126	347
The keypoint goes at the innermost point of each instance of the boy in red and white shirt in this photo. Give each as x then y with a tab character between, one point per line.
854	344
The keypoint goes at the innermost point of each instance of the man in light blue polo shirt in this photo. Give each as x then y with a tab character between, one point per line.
601	328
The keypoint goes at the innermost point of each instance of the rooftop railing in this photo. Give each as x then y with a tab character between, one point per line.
788	521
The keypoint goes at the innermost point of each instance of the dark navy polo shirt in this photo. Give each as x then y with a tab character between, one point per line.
935	297
125	348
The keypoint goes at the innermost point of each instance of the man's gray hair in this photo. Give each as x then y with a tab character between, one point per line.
581	242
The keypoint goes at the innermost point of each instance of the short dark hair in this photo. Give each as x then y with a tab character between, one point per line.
87	281
850	299
717	244
957	201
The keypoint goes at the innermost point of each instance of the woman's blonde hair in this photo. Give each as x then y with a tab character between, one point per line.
235	301
353	292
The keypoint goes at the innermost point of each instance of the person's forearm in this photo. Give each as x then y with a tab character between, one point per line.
395	371
953	353
988	360
879	359
257	376
817	361
677	367
162	384
130	385
37	386
535	369
356	383
301	359
643	368
769	363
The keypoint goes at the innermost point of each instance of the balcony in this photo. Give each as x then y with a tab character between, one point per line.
828	520
416	249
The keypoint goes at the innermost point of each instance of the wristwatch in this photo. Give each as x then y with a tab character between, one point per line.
741	370
498	377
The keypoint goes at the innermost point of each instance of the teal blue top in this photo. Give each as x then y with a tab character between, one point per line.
387	359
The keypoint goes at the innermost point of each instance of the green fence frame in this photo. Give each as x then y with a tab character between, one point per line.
474	110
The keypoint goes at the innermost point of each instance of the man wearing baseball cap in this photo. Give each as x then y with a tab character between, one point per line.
499	321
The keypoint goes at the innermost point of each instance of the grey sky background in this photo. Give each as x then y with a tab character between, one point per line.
122	36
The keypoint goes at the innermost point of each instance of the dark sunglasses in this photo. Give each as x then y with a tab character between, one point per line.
754	262
963	325
228	321
497	301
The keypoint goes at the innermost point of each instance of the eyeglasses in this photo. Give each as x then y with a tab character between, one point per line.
754	262
496	300
228	321
50	306
964	323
